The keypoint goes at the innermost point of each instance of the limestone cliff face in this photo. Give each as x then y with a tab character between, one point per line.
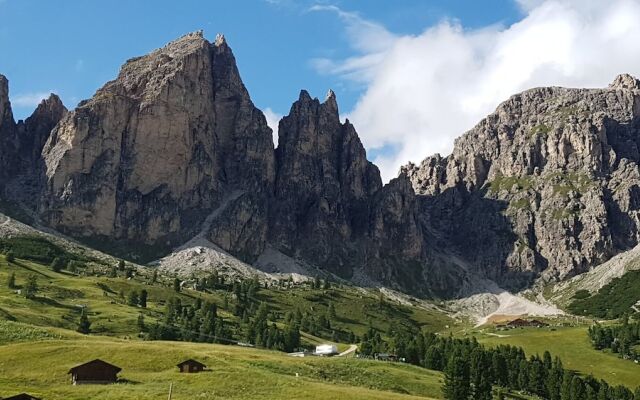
323	185
331	209
21	145
154	151
548	183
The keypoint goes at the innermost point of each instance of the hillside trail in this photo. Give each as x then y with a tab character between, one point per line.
348	351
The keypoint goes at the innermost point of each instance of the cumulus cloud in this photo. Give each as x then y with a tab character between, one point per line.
424	90
29	99
273	119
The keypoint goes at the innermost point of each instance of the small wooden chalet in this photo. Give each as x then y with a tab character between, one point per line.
386	357
191	366
94	372
21	396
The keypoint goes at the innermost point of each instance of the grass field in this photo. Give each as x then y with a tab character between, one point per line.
40	368
62	295
38	343
572	345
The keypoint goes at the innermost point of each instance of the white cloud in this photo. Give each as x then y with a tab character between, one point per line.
273	119
29	99
79	65
422	91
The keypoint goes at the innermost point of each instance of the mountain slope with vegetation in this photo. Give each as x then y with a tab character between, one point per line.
619	297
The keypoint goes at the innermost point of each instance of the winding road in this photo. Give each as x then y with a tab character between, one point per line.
348	351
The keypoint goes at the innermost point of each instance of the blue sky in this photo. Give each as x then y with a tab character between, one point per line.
412	75
73	47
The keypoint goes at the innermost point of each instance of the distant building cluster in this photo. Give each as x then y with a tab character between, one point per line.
523	323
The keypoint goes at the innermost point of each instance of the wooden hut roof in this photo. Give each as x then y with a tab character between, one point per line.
22	396
95	363
191	361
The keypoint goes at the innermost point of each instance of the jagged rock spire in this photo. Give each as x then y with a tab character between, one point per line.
220	40
625	81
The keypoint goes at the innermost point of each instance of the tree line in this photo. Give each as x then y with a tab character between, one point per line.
620	339
200	322
471	370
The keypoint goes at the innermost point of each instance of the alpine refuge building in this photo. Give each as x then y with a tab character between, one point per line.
94	372
522	323
326	350
191	366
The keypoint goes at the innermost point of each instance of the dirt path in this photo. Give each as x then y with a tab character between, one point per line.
348	351
496	335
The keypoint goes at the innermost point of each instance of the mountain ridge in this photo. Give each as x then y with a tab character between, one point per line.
139	167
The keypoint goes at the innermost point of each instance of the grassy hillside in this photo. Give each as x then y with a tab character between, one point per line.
573	346
612	300
40	368
62	296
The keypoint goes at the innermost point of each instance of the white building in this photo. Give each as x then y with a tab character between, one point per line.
326	350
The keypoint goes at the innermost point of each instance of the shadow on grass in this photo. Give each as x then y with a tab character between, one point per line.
6	315
127	381
53	303
28	268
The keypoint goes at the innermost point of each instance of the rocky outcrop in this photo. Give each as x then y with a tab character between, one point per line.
35	130
8	138
547	184
323	185
156	150
21	145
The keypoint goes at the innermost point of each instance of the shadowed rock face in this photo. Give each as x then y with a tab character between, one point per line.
324	185
21	146
548	183
8	138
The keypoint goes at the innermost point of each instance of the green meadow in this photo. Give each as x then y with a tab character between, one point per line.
573	346
40	368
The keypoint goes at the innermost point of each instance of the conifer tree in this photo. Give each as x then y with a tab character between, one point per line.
11	281
132	300
31	287
176	284
565	389
84	325
57	264
142	301
141	325
456	379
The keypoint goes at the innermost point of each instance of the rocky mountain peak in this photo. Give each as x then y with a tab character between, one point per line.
331	101
625	81
548	180
155	150
51	108
220	40
304	96
38	126
6	115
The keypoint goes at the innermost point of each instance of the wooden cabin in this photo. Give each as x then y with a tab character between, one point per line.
94	372
520	323
386	357
21	396
191	366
